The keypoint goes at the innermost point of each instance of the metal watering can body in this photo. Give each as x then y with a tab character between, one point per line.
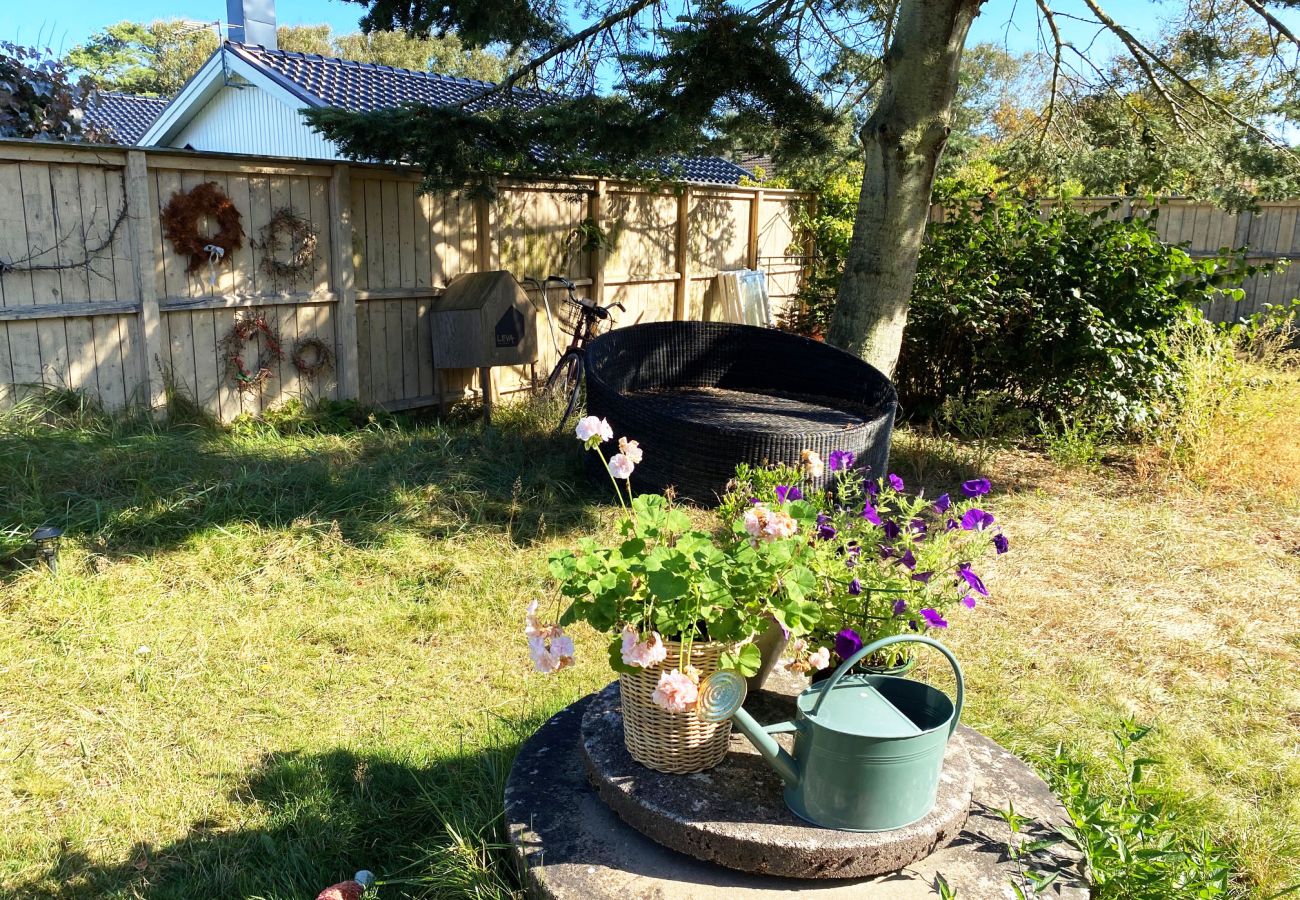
868	749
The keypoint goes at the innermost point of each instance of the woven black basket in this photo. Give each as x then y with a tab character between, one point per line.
701	397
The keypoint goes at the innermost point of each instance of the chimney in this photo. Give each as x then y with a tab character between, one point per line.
252	22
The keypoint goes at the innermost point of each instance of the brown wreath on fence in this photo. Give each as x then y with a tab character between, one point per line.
286	226
180	222
311	356
245	329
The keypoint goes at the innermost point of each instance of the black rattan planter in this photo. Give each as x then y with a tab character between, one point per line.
702	397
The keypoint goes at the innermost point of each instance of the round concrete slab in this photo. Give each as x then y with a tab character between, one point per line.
734	814
571	845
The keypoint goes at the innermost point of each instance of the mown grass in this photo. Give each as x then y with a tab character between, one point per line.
269	660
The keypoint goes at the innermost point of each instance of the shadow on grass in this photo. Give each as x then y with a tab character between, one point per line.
430	830
144	488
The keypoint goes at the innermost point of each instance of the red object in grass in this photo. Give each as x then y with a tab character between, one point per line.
352	889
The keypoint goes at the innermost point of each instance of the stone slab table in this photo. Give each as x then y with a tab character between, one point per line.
571	845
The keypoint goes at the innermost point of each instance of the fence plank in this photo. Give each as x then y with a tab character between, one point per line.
144	240
340	203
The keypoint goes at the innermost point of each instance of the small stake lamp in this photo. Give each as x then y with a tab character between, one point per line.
46	539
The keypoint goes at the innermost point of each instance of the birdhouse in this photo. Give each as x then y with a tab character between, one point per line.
484	319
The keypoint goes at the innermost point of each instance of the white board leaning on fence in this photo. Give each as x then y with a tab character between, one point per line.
740	296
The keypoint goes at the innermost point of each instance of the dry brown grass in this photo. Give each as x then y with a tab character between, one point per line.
1168	598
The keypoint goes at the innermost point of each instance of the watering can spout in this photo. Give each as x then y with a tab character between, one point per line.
781	761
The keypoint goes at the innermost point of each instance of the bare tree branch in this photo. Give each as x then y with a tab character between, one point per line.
1274	22
1139	54
563	46
1056	68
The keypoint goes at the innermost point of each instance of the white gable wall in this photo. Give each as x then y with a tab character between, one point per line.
242	118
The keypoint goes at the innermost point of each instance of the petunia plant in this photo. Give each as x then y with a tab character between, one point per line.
885	562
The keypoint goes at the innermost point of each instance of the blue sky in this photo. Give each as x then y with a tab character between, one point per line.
62	24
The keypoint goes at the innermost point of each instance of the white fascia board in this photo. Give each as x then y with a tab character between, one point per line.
203	86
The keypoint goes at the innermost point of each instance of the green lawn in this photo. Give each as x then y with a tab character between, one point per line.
271	660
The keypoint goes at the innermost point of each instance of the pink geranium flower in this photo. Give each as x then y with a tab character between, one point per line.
591	426
620	466
647	653
676	692
630	449
765	524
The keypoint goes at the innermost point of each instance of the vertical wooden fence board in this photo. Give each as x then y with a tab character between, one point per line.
321	219
42	241
97	222
16	286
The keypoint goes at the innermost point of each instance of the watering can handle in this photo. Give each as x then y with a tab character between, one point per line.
880	645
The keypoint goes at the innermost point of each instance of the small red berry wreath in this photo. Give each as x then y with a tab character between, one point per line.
232	348
311	356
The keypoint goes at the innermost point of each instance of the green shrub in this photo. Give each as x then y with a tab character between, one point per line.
1067	313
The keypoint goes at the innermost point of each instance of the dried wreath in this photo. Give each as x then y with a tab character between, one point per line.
311	356
180	222
287	227
232	348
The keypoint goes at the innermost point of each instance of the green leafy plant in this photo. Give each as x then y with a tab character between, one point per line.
1065	313
664	579
1135	846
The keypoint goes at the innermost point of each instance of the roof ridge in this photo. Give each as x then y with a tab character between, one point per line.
381	67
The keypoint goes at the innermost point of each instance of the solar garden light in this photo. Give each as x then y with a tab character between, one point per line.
46	539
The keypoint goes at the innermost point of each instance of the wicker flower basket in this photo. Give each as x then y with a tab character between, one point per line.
672	742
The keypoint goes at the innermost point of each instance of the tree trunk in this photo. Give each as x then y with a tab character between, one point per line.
902	141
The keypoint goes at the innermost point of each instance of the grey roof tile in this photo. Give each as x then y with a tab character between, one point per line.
124	118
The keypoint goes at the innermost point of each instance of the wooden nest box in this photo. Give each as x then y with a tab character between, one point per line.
484	319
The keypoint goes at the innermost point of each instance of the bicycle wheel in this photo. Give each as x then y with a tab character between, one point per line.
564	385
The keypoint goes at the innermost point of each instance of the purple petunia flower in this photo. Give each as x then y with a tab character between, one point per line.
895	482
968	601
869	513
786	492
1001	543
872	488
908	559
919	527
923	577
886	551
855	588
952	524
977	585
933	619
847	643
976	519
976	487
900	607
753	501
942	504
825	530
892	531
841	459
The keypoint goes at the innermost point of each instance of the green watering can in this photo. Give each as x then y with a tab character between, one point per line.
868	749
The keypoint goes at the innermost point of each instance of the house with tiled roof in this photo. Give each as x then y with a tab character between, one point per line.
247	99
122	118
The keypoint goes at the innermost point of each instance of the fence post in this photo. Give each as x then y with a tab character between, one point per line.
596	212
488	258
681	299
345	287
755	213
146	283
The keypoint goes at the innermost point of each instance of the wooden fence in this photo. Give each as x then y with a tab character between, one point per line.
1271	232
92	297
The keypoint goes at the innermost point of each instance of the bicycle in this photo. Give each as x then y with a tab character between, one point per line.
583	324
